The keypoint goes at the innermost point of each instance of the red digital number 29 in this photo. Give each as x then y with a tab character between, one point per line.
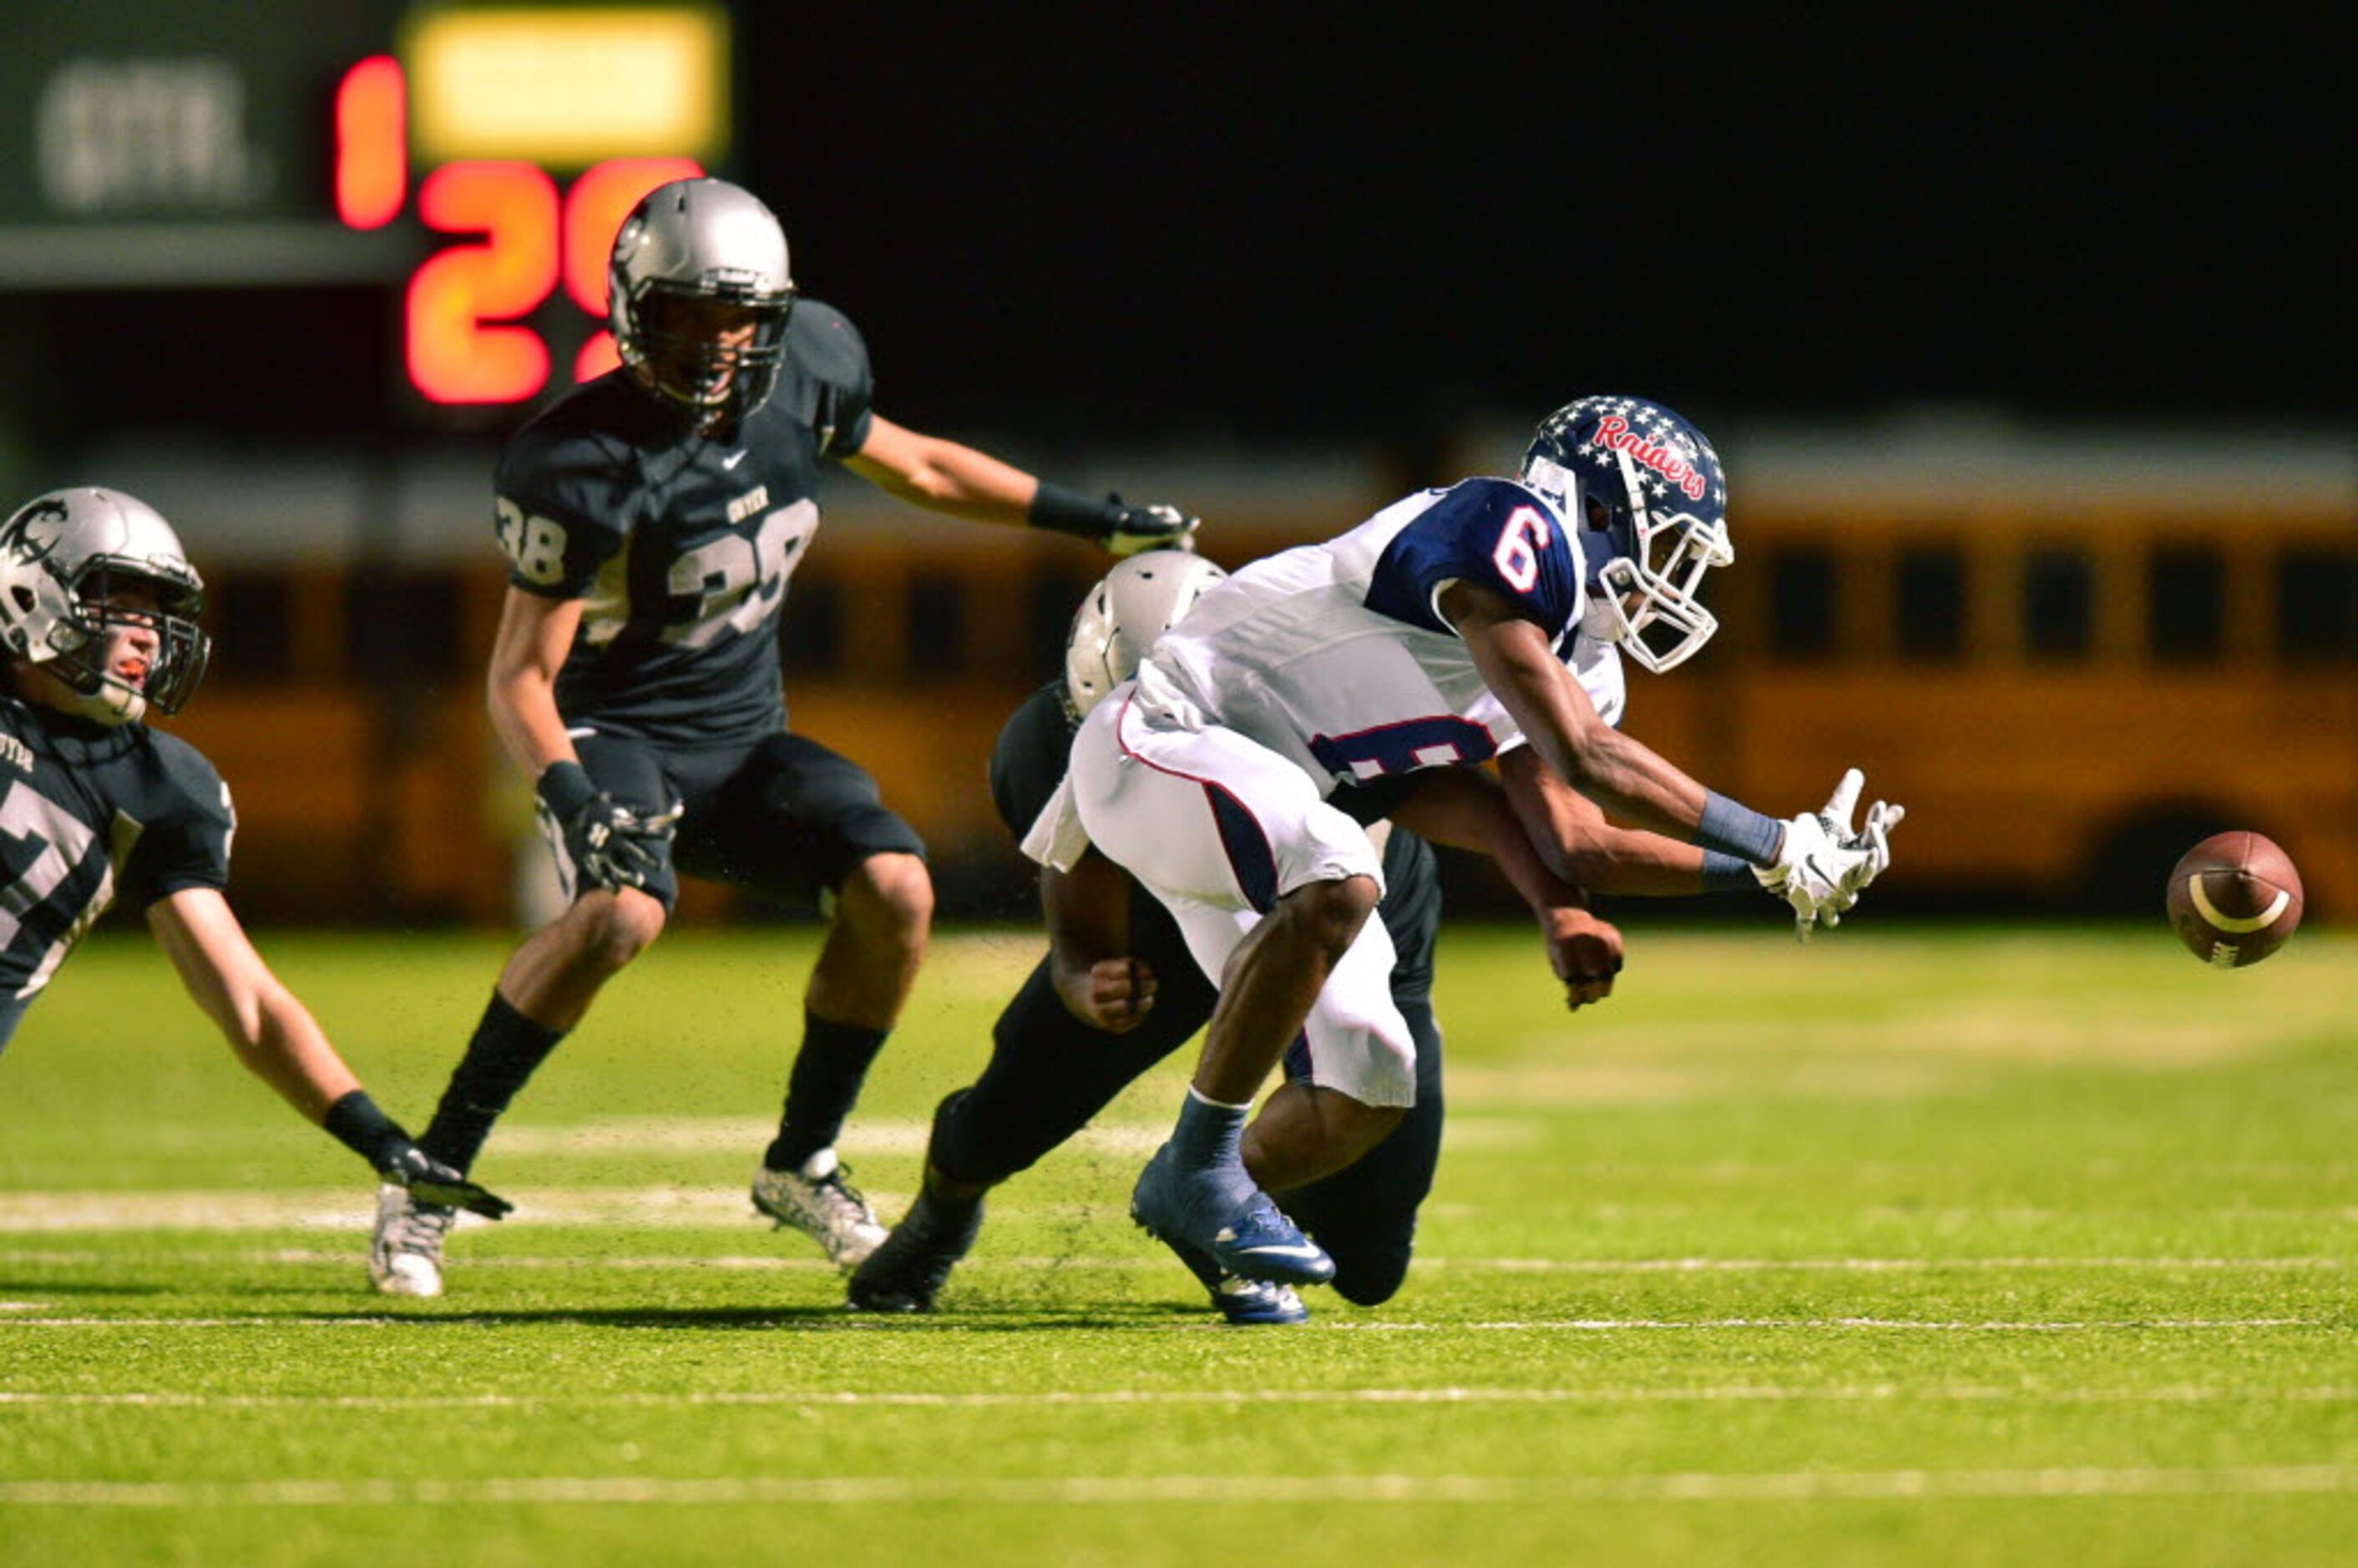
463	343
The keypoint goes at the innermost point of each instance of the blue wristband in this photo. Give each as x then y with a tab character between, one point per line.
1738	830
1726	873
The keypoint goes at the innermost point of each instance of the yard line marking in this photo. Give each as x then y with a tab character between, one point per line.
706	1206
1878	1393
1505	1265
1620	1324
857	1323
1860	1265
1809	1486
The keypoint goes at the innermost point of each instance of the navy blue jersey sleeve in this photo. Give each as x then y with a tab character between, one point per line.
830	377
185	844
1491	532
561	496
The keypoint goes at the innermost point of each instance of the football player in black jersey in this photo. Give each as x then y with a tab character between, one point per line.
1118	990
651	519
98	607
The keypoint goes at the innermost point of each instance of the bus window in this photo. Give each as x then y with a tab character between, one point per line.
2186	605
1801	601
2059	605
1931	603
2316	604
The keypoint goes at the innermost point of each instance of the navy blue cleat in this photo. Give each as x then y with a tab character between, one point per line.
1246	1304
1250	1238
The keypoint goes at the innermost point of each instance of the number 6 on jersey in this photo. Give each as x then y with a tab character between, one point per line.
1519	544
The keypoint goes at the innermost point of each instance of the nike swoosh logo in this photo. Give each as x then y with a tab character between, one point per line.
1276	1250
732	459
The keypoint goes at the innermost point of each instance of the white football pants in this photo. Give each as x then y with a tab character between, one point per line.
1219	828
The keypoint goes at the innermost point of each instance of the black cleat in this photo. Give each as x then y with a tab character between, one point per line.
913	1264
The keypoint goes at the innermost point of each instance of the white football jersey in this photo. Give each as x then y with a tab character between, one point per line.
1335	656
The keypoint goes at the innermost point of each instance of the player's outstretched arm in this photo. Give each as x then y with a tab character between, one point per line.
944	476
1562	725
1815	863
1464	808
279	1040
1585	848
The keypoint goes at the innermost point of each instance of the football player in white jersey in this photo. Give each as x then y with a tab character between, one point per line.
1440	632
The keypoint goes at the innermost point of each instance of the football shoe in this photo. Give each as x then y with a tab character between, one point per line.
817	1201
1246	1304
406	1250
1250	1236
909	1270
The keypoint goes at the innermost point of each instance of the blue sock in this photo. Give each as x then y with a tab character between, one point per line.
1208	1136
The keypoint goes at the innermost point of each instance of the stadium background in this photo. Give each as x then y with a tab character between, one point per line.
2025	350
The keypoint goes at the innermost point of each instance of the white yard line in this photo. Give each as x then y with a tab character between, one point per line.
1731	1393
1808	1485
855	1321
66	1257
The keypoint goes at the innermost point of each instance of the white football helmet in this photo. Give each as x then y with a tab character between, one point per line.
1133	604
61	556
700	240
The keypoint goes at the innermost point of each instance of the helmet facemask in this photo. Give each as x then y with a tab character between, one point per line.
1646	595
706	349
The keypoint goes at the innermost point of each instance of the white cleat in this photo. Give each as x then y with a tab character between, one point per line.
817	1201
406	1251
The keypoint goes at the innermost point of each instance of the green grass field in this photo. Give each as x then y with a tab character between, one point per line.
1909	1247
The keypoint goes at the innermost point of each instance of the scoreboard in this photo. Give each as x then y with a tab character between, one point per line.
475	159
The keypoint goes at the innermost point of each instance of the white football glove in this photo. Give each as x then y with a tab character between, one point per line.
1825	863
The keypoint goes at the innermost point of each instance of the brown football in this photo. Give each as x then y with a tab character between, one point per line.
2234	899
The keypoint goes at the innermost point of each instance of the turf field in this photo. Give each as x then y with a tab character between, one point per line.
1916	1248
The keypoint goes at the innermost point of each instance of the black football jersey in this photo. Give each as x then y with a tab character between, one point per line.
89	814
1036	746
681	543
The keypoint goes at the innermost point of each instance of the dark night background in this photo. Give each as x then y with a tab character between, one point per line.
1301	221
1124	225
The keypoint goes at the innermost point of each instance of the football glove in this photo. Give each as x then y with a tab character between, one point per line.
610	846
1825	863
430	1181
1149	528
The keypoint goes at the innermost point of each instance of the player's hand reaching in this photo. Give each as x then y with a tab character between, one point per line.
1825	863
1586	953
430	1181
1111	994
1149	528
612	846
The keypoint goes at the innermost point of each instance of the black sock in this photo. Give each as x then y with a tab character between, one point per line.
507	1046
828	1071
